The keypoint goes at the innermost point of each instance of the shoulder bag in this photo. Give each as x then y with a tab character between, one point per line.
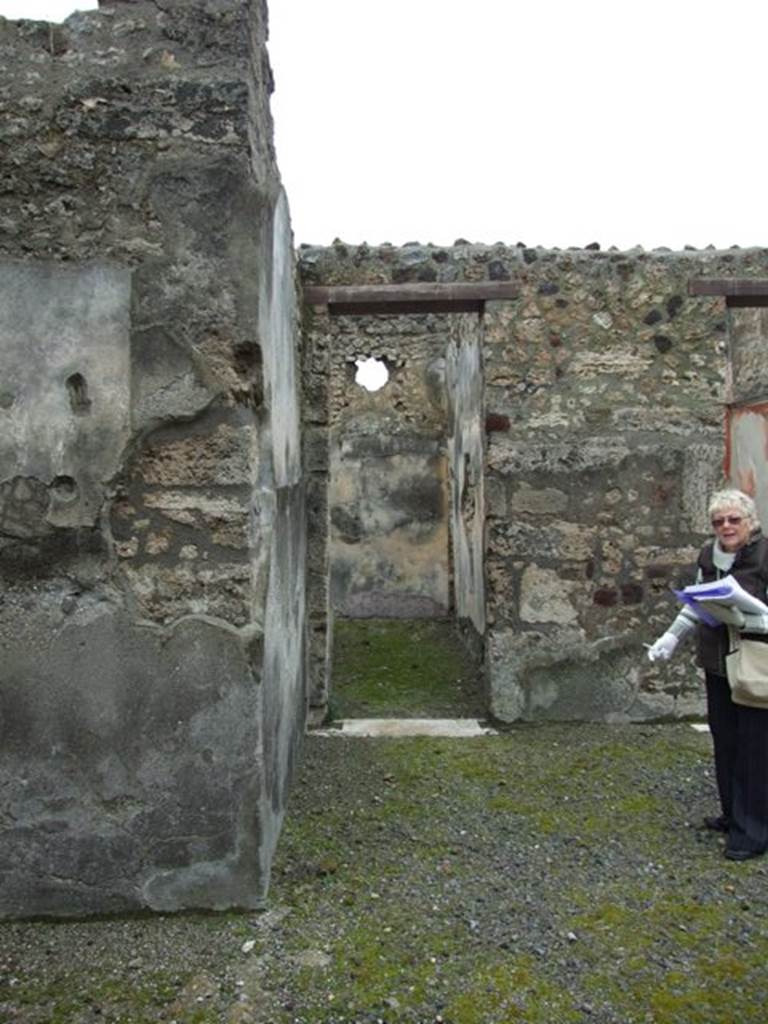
746	665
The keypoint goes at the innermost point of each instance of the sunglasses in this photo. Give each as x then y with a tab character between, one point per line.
719	521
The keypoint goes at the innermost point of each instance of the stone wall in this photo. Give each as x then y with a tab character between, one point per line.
152	538
542	473
604	394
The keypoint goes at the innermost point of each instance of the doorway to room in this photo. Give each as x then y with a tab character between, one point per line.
397	537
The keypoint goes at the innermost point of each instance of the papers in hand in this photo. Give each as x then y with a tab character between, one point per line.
714	602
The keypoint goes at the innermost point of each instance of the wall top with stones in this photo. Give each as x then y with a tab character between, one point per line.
143	36
134	71
109	119
341	263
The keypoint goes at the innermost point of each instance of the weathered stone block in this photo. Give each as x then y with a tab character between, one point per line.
546	597
563	676
221	520
193	587
546	501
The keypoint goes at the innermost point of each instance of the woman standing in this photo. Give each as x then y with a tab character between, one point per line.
739	733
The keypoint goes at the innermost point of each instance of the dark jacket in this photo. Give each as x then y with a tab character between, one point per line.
750	568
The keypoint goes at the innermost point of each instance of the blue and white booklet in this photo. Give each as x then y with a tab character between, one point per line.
714	602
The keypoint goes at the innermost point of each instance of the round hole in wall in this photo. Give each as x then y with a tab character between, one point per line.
372	374
64	489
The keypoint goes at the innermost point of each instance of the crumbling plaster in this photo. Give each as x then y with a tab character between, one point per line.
153	525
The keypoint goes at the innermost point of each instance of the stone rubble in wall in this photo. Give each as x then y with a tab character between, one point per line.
604	383
144	624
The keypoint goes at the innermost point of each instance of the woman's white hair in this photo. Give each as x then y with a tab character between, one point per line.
730	498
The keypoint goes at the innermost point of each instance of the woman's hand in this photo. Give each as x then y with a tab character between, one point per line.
663	648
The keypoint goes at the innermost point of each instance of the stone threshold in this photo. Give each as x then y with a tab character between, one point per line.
394	727
460	728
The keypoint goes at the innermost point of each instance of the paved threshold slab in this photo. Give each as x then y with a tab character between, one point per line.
458	727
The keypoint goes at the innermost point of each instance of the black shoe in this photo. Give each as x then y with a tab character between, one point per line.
742	854
718	824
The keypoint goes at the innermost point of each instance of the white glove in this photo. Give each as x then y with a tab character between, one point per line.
663	648
755	622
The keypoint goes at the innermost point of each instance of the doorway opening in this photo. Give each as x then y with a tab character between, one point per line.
399	600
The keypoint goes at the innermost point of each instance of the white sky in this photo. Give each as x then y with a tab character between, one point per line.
552	122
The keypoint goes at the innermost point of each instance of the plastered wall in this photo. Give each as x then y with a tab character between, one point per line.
388	477
152	497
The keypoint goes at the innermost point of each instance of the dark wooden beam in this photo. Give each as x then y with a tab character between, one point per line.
730	287
393	299
745	301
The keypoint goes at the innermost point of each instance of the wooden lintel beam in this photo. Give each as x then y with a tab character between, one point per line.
746	301
729	287
398	308
390	299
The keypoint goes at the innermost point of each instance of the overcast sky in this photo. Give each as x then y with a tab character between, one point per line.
553	123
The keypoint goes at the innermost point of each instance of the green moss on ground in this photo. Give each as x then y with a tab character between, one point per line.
76	994
408	668
549	875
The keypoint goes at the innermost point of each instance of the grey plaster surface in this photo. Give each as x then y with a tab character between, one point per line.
150	478
466	455
129	762
281	508
65	367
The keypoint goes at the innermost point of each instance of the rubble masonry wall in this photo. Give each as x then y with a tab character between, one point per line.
604	398
152	538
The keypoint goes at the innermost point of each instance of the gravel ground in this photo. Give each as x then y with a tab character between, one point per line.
549	874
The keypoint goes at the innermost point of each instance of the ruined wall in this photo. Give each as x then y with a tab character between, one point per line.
151	496
315	410
604	397
466	454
